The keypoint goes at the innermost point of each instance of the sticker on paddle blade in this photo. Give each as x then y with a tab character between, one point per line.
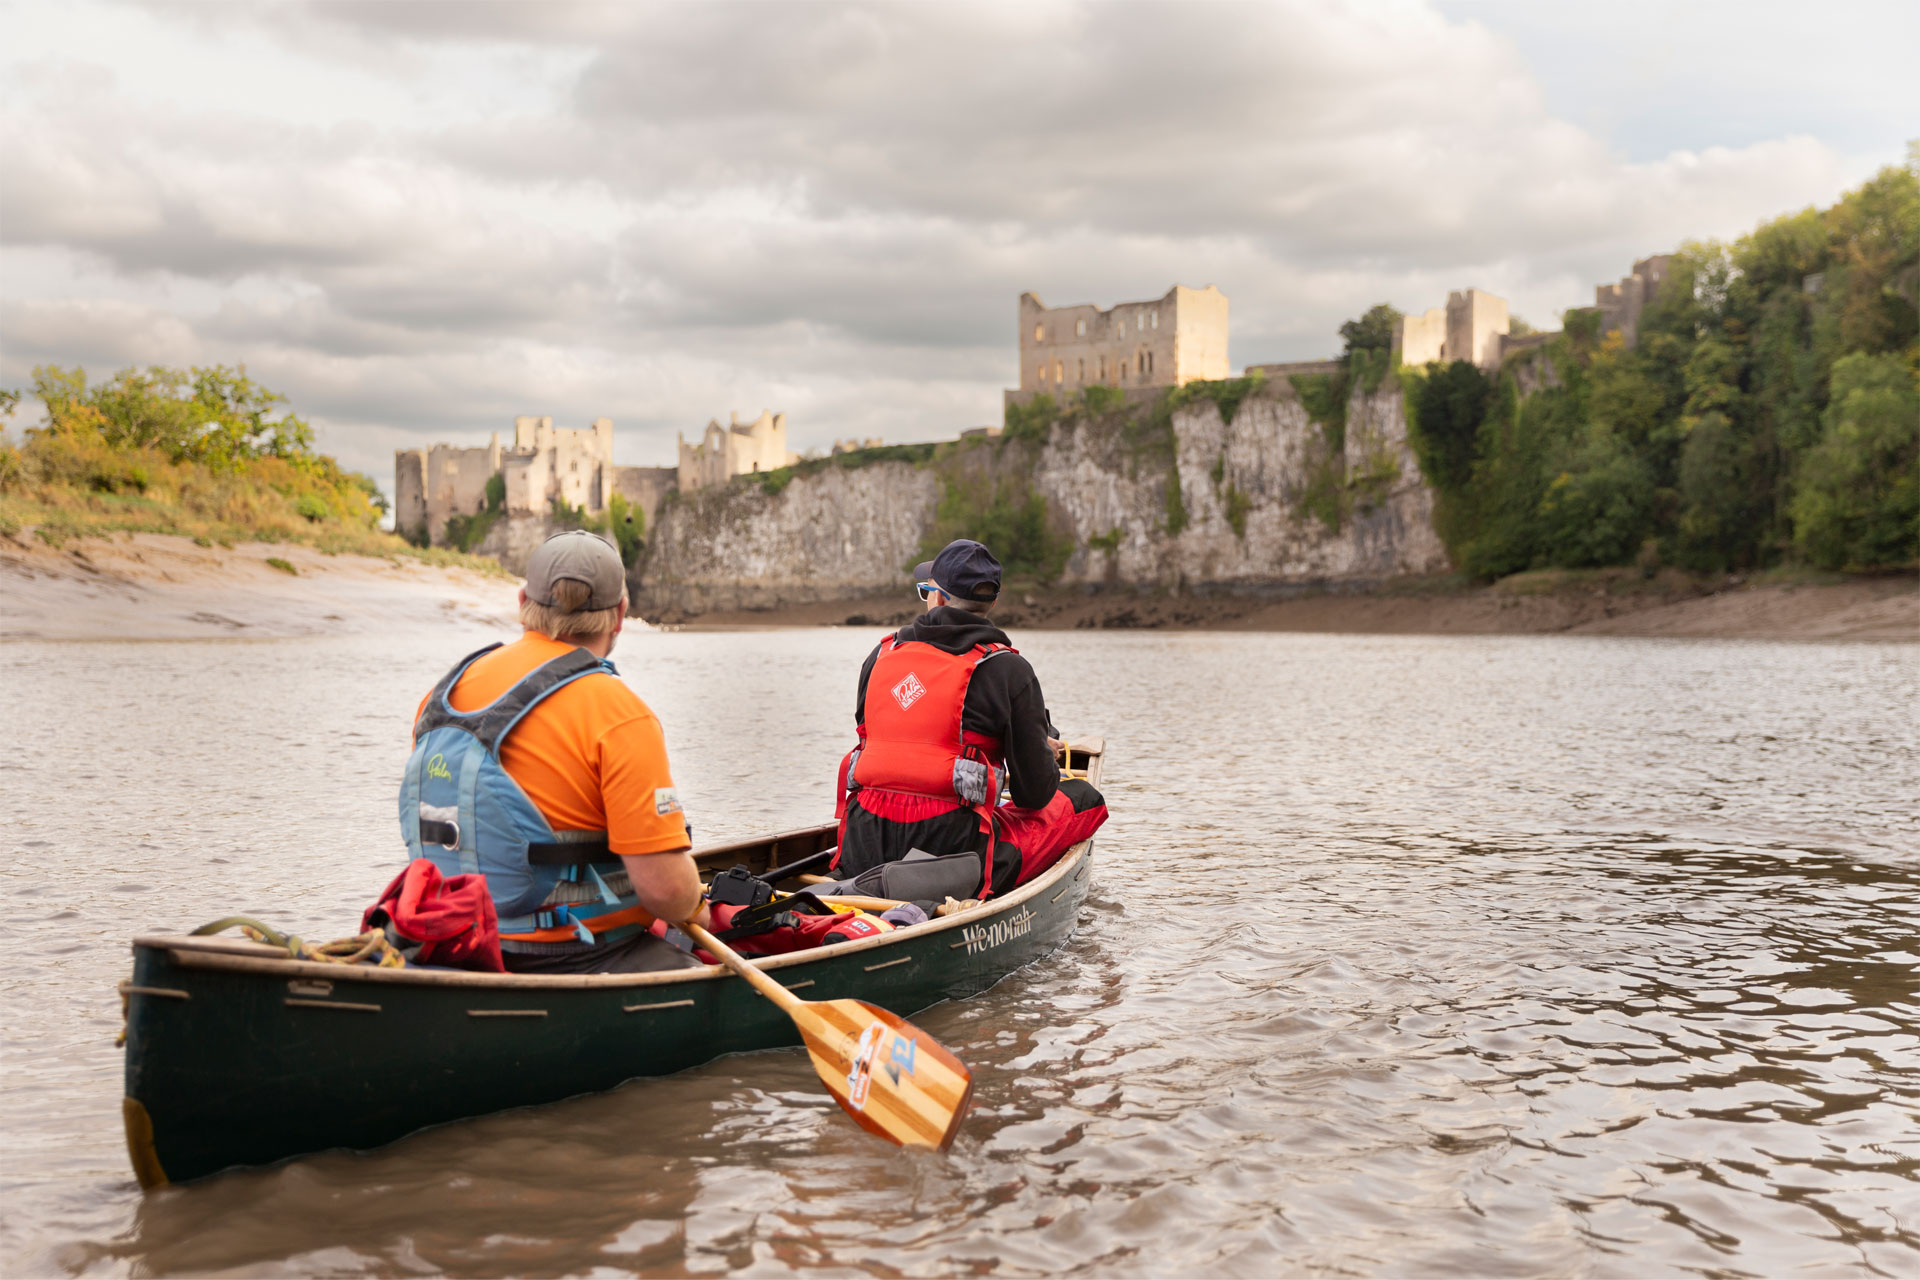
902	1057
860	1074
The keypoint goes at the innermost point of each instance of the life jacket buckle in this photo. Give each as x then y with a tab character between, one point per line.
440	824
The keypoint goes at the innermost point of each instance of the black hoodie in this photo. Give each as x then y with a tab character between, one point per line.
1003	699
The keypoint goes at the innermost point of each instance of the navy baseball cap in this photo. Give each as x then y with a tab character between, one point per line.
964	570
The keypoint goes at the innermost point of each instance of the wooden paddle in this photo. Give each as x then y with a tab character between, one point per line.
891	1077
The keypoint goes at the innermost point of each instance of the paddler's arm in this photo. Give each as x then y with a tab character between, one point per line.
668	884
645	824
1033	770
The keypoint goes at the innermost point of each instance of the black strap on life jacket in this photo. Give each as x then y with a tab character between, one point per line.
774	913
562	853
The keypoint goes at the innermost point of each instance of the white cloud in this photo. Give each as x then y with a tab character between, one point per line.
421	219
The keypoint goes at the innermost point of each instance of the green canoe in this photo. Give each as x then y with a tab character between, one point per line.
237	1055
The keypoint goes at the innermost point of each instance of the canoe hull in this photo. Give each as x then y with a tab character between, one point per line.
237	1057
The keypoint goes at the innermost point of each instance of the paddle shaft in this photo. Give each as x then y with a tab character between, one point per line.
776	874
726	955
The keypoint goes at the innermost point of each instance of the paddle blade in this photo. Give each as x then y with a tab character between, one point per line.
891	1077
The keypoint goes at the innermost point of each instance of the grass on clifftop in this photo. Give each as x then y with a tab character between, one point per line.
202	454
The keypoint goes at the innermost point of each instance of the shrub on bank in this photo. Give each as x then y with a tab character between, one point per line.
203	453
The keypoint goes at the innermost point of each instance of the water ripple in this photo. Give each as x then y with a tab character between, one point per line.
1435	956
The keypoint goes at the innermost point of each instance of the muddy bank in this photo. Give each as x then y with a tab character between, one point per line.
1605	603
158	587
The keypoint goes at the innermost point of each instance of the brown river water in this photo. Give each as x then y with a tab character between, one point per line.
1437	956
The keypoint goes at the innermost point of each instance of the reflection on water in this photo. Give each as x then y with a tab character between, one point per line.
1406	955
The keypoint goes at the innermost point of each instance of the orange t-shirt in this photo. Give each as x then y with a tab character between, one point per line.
591	756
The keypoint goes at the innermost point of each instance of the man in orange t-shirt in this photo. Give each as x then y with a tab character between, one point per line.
592	758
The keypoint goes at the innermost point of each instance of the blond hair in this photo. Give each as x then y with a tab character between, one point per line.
568	618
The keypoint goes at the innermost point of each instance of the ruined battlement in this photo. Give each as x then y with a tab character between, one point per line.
738	449
1620	304
1172	340
1469	327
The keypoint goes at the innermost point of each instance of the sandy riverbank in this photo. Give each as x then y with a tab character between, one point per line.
158	587
1604	603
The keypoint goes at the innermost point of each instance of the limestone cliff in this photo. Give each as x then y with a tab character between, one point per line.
512	538
1264	501
836	534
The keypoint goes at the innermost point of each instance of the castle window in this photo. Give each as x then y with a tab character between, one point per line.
1059	371
1039	333
1103	368
1081	376
1156	320
1079	328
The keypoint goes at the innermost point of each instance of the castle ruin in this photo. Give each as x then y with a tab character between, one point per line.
1620	304
1475	326
1175	339
1470	327
739	449
543	466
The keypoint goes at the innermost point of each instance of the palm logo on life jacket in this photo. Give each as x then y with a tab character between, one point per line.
912	742
460	808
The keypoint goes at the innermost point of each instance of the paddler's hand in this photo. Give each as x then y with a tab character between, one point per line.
1058	748
704	916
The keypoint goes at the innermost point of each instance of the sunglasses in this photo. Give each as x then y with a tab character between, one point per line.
926	589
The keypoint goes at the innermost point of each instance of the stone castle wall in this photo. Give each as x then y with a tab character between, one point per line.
646	487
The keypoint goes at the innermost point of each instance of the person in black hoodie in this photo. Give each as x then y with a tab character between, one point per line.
947	711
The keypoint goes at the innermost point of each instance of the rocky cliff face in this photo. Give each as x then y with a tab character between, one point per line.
1263	503
836	534
514	537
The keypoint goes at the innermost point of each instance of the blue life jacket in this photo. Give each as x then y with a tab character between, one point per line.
460	808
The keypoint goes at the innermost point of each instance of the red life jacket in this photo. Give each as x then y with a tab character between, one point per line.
912	745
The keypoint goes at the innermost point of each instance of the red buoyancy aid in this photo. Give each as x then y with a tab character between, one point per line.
912	742
805	932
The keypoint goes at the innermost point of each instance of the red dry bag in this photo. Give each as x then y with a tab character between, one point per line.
448	922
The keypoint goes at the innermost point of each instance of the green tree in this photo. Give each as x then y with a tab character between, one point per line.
1372	331
1857	499
1450	403
1598	509
216	417
629	527
1756	416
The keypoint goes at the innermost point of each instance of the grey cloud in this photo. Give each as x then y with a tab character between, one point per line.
829	210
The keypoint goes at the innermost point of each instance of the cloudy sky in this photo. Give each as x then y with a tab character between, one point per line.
420	219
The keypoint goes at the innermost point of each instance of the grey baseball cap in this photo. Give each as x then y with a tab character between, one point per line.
579	556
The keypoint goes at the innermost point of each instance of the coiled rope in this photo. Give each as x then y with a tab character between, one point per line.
370	947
